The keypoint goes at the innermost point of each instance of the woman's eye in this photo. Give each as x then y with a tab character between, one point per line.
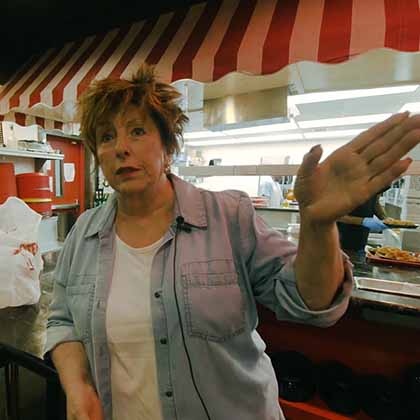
106	137
138	131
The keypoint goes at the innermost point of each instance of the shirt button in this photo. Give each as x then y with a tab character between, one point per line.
163	341
168	394
157	294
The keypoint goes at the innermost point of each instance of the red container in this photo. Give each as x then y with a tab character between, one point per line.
7	182
34	190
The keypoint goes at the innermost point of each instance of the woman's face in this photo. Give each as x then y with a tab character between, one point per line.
130	152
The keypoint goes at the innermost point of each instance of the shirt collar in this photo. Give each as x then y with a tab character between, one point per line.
189	204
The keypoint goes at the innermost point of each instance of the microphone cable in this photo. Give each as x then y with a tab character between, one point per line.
180	226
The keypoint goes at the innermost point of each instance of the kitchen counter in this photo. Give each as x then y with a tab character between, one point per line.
385	301
291	208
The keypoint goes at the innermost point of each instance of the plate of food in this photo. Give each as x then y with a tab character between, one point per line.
400	224
394	256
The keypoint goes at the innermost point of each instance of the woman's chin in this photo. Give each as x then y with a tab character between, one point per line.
131	187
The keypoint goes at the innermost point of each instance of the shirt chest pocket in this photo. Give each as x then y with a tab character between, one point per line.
213	301
79	301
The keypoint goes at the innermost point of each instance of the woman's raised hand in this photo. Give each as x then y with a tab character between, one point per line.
356	171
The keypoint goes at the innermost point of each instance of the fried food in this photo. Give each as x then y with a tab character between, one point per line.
396	254
397	222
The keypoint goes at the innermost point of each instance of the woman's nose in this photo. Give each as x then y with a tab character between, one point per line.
122	145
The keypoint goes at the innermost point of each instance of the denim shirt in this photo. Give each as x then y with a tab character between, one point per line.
222	262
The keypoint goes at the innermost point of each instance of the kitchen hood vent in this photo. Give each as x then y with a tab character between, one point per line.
254	108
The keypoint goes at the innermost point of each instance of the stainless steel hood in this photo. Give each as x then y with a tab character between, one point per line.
256	108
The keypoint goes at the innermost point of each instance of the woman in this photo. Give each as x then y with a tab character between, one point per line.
154	311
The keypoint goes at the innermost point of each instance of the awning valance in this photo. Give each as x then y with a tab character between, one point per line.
25	120
208	40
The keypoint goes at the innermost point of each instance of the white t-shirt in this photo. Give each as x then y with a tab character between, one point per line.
135	394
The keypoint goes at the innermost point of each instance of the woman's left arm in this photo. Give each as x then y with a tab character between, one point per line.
331	189
318	247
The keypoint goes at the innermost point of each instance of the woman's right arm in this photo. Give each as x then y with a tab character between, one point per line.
65	347
73	369
71	363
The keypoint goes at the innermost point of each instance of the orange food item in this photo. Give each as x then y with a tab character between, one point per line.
290	196
397	254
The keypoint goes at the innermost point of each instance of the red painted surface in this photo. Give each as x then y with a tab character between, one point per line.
367	347
315	409
73	153
33	189
8	181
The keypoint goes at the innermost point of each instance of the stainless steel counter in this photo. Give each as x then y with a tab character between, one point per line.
385	301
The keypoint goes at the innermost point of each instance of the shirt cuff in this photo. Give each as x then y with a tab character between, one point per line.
58	335
294	305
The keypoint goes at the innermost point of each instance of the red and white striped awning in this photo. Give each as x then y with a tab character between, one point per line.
28	119
211	39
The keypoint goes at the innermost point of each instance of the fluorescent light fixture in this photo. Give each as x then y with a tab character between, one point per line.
268	128
307	98
243	140
203	134
331	134
331	122
261	129
411	106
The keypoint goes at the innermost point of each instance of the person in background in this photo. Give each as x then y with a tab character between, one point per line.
270	188
154	311
354	228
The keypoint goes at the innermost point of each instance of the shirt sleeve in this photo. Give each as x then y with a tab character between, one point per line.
269	259
60	327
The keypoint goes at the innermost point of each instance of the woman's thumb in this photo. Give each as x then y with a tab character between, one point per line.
310	160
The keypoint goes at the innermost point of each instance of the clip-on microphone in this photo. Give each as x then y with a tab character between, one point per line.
181	224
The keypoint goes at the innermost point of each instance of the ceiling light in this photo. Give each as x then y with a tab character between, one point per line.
307	98
331	122
242	140
257	129
331	134
261	129
202	134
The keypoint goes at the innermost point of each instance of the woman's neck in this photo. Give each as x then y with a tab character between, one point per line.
154	201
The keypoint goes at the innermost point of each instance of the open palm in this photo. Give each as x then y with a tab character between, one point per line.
353	173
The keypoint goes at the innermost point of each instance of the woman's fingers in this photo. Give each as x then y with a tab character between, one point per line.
384	161
390	138
384	179
369	136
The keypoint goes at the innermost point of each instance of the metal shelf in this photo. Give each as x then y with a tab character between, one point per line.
257	170
238	170
29	154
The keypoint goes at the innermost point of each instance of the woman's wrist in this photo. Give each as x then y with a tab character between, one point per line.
312	224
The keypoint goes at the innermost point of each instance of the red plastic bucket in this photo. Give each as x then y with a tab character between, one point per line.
7	182
34	190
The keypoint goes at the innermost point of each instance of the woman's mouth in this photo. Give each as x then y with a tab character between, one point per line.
126	170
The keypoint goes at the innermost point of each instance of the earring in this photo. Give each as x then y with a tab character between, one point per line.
167	167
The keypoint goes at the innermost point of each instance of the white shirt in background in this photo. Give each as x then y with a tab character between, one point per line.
271	189
135	394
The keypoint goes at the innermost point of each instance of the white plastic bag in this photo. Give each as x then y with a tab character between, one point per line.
19	268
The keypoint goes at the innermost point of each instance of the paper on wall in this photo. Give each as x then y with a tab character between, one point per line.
69	172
